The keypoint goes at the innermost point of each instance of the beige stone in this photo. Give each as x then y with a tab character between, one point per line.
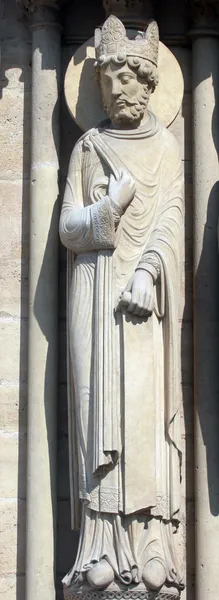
43	309
13	350
14	132
13	407
13	197
12	534
14	285
12	465
12	587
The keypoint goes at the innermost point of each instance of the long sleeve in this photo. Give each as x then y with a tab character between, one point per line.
150	262
84	227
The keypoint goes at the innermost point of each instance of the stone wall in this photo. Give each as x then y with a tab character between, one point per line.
14	199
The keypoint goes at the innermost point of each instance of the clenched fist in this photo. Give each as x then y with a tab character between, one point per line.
138	297
122	190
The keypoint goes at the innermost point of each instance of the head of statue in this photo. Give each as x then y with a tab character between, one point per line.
126	70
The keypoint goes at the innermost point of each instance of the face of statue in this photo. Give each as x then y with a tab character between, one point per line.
125	96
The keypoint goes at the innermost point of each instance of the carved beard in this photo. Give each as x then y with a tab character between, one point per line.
129	113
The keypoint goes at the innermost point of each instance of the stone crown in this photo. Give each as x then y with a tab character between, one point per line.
111	42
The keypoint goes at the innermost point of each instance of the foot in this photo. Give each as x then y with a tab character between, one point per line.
101	575
154	574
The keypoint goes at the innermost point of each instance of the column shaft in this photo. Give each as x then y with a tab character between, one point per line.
206	312
43	317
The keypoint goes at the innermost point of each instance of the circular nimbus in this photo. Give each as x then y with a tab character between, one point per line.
82	92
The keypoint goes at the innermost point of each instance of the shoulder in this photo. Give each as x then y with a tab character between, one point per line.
169	142
172	165
82	141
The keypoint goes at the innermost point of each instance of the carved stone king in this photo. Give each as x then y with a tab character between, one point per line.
121	222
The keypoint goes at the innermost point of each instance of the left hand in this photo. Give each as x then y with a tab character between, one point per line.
138	297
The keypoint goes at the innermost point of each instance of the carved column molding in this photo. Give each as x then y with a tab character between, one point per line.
204	13
133	13
205	57
43	302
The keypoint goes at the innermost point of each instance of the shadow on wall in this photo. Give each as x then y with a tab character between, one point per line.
184	59
15	71
207	337
67	540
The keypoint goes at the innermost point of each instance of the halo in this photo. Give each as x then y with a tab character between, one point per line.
83	95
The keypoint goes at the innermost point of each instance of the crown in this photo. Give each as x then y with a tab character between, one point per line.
111	42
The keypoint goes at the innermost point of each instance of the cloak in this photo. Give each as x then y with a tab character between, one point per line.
123	373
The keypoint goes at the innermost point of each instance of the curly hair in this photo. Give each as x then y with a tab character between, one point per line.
142	67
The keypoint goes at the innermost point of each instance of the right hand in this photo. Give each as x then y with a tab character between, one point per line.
122	190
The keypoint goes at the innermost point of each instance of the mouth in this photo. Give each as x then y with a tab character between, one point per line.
120	103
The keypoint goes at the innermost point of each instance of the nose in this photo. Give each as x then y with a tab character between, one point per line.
116	88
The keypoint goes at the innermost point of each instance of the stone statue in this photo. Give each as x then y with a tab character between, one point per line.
122	220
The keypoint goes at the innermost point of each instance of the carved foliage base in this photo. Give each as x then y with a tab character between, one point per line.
116	592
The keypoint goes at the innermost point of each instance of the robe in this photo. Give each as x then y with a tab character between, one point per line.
124	371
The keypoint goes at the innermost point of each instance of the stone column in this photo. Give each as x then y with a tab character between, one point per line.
43	296
205	52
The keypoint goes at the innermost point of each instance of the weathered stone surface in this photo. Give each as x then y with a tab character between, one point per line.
14	236
12	465
14	131
13	407
12	532
13	350
12	587
14	285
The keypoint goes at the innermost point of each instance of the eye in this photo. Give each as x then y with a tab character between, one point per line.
125	79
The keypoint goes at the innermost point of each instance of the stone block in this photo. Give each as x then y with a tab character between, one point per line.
12	465
15	132
13	407
14	287
13	350
14	220
12	587
12	533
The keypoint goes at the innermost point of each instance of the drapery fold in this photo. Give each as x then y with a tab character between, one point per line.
151	223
